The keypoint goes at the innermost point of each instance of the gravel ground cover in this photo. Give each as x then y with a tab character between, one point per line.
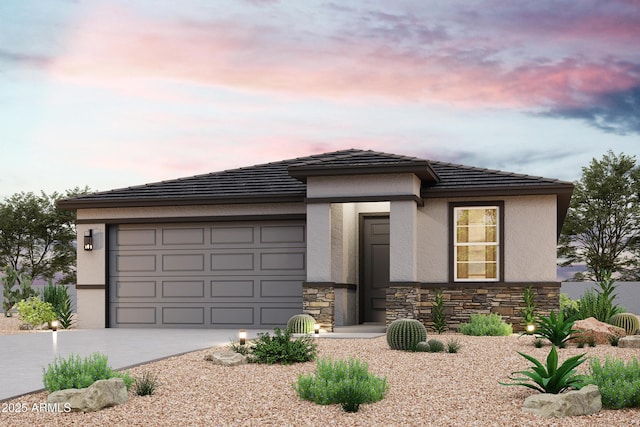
425	389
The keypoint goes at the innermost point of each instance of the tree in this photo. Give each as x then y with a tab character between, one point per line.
601	228
36	238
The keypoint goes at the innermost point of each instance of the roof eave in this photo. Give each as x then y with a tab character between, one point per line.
422	171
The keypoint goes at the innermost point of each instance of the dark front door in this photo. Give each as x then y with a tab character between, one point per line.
375	268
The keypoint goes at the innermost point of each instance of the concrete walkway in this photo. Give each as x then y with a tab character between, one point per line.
24	356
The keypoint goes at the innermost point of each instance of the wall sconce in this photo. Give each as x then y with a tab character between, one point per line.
88	240
316	329
54	325
243	336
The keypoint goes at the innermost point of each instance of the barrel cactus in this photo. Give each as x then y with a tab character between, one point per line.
422	347
301	324
405	334
627	321
435	346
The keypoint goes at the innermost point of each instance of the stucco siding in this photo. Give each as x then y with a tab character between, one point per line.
363	185
91	308
168	212
432	241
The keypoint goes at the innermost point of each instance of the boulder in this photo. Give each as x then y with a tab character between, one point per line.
600	331
101	394
585	401
226	358
630	341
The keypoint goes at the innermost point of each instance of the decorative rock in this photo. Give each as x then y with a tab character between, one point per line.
226	358
573	403
600	331
630	341
101	394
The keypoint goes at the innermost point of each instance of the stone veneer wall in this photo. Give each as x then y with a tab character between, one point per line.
416	301
319	302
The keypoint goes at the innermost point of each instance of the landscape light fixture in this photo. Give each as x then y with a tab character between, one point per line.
316	328
54	325
88	240
243	336
531	328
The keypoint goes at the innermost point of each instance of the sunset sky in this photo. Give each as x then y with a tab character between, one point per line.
113	93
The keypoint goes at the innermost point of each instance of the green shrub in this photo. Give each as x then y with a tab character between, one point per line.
23	290
243	349
348	383
58	297
435	346
75	372
568	306
437	313
599	303
486	325
422	347
280	348
405	334
146	385
538	343
528	298
619	383
453	346
301	324
627	321
555	328
35	312
550	378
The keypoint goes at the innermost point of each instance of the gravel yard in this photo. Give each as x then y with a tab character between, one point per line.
436	389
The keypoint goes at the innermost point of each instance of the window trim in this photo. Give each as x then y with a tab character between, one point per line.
500	229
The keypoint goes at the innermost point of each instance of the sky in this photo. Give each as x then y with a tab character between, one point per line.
115	93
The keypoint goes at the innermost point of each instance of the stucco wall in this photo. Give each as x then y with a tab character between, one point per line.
529	240
363	185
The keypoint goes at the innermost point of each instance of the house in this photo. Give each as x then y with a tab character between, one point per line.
349	236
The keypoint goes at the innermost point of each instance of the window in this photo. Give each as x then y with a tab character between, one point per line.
476	248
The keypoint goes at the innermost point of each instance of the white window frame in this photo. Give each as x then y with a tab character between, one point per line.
455	243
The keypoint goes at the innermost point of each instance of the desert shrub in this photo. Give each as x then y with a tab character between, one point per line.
435	346
486	325
301	324
280	348
618	382
23	290
35	312
453	346
614	340
556	328
568	306
146	385
348	383
538	343
528	298
58	297
75	372
243	349
405	334
599	303
437	313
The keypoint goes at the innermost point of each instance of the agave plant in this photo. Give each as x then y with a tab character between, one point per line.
556	328
551	378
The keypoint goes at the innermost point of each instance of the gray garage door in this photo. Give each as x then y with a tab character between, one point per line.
219	275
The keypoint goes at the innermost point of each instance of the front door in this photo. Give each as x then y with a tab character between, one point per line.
375	268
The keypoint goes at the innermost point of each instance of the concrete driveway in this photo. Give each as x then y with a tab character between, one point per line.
24	356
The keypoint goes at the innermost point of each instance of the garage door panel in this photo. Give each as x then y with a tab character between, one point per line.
183	315
135	289
183	262
210	275
224	236
183	289
235	316
232	288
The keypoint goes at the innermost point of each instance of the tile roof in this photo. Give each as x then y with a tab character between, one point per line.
285	181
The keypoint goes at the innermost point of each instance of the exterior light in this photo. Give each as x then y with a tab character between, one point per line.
88	240
316	328
54	325
243	336
531	328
